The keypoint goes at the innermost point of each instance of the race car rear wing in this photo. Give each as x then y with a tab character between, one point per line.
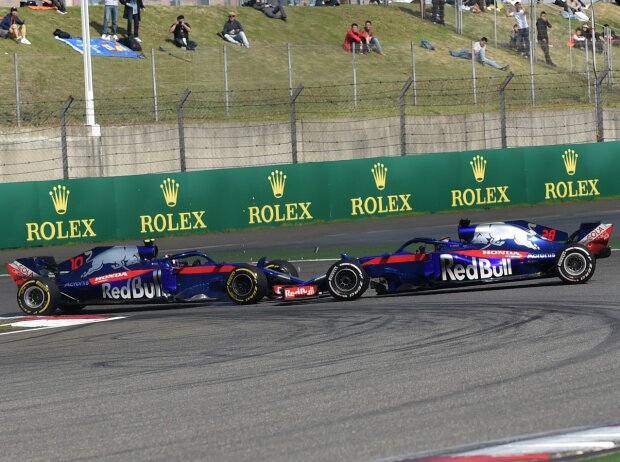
23	269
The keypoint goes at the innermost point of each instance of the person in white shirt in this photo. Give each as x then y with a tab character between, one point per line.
480	54
523	39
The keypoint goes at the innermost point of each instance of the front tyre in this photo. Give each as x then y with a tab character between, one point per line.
246	285
575	264
38	297
282	266
347	280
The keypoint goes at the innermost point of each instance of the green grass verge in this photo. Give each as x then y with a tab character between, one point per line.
614	457
49	71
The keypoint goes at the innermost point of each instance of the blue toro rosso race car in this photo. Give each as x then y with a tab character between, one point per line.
487	252
134	274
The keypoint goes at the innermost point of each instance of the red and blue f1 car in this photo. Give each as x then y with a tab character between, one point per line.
487	252
134	274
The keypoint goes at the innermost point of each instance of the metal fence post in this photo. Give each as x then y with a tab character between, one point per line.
180	121
293	102
588	82
403	115
415	90
502	107
598	101
18	113
290	69
226	78
353	52
63	137
155	105
473	74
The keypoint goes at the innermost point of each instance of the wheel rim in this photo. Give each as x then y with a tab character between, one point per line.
242	284
575	264
345	280
34	298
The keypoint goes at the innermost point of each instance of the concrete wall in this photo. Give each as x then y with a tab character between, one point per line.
36	154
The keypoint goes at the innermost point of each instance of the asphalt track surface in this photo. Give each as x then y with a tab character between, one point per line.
325	381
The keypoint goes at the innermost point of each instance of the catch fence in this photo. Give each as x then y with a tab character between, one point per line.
176	111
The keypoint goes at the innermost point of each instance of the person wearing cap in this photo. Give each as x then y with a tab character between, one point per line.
13	26
233	31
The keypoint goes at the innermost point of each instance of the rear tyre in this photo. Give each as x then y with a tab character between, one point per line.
38	297
575	264
246	285
347	280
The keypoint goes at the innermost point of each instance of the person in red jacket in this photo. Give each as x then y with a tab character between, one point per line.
360	39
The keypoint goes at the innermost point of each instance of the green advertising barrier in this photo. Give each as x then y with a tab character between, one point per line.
135	207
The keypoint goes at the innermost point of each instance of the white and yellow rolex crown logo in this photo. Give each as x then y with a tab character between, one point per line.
379	172
478	166
570	161
170	189
60	198
277	180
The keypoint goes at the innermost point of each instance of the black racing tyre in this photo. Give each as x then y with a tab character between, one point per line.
246	285
575	264
282	266
38	297
347	280
71	309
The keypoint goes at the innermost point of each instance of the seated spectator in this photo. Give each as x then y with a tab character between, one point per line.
479	49
233	31
514	37
371	40
356	40
181	30
274	9
575	8
14	27
578	40
325	3
60	5
597	37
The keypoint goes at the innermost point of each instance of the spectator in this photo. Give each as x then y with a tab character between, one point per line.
595	37
371	40
514	37
355	40
110	12
233	31
181	30
437	12
132	14
578	40
480	54
575	8
13	26
60	5
523	39
542	25
272	10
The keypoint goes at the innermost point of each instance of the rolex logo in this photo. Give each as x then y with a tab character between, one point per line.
379	172
277	180
170	189
570	161
478	165
60	198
